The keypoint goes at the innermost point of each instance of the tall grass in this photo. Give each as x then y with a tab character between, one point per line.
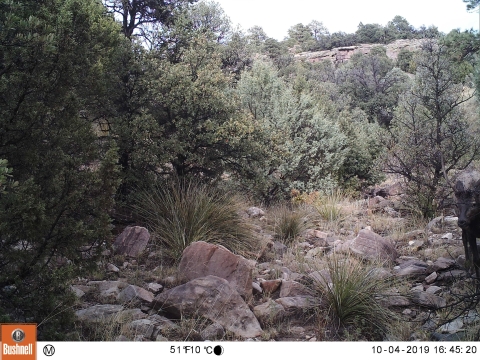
180	212
328	206
352	295
289	223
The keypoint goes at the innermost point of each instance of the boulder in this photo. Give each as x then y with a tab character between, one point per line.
98	313
269	312
270	286
428	299
214	298
298	304
108	290
371	246
292	288
133	293
213	331
201	259
255	212
132	241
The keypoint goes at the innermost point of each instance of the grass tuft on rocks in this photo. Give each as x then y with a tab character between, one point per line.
352	294
180	212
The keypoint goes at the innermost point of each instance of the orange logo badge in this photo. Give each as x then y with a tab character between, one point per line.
19	341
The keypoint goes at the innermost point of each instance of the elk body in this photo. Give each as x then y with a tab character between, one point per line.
467	195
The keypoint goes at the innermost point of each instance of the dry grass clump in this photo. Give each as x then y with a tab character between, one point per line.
352	294
288	223
181	212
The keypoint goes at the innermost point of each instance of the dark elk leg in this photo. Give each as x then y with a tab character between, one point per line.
466	243
473	247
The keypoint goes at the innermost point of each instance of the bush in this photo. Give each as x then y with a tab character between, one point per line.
181	212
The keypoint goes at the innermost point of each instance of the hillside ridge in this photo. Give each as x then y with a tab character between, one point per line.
344	53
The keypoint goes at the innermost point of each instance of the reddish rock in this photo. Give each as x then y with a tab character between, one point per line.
201	259
270	286
132	241
213	298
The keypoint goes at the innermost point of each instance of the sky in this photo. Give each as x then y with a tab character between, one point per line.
277	16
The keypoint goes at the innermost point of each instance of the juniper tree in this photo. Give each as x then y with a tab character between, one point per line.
52	59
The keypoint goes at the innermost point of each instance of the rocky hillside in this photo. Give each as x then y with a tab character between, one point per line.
343	54
281	292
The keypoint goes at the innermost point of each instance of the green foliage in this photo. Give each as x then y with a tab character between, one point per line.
430	132
352	291
302	36
373	83
405	61
303	149
371	34
462	48
180	212
5	177
138	14
51	59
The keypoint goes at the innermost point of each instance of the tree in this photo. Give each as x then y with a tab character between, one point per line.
138	14
53	223
373	83
371	34
462	47
318	30
430	133
299	147
301	35
399	28
256	36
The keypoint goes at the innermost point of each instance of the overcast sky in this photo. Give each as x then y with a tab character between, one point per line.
277	16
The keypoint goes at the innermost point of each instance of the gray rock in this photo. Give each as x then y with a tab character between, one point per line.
441	264
132	241
133	293
428	300
452	326
201	259
255	212
155	288
298	304
293	288
396	301
98	313
279	248
130	315
451	275
78	293
112	268
213	298
433	289
371	246
214	331
121	338
269	312
431	278
256	288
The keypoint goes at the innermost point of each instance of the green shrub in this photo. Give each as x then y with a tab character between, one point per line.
181	212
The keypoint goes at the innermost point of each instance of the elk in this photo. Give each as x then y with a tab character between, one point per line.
467	196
